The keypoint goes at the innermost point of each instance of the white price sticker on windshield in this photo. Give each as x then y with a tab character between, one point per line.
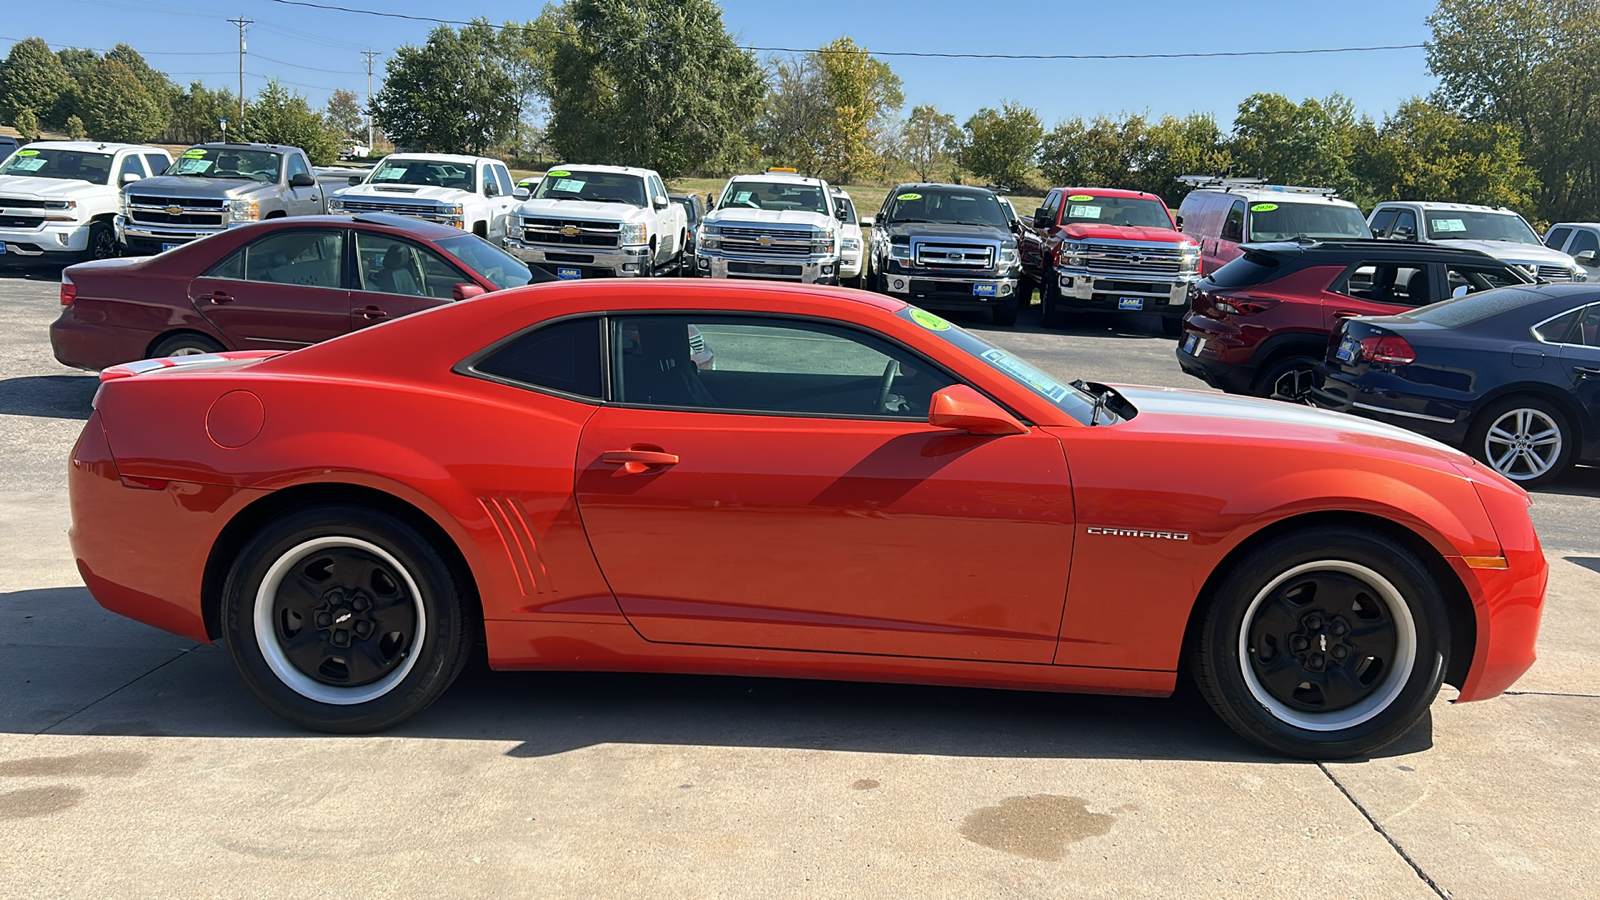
31	164
1083	212
1447	225
393	173
570	185
191	166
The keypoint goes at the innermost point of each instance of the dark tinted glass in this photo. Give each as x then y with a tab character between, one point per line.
1556	238
1559	329
1249	269
1588	333
1585	240
562	357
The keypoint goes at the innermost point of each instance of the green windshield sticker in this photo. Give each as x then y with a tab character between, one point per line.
1080	198
909	197
196	153
1264	207
559	173
929	321
27	153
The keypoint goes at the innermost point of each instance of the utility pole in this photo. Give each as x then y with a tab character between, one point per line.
370	55
241	22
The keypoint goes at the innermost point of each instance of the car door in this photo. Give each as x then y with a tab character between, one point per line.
503	204
301	201
1581	358
1586	241
283	290
1034	235
396	277
763	502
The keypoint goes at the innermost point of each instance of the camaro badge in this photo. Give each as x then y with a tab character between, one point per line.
1137	532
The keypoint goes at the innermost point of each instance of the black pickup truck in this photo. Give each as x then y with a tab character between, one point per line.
944	246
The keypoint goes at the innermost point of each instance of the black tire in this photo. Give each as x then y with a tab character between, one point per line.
102	242
1171	326
346	561
1288	379
1340	688
1519	430
1051	315
1026	284
1004	315
188	343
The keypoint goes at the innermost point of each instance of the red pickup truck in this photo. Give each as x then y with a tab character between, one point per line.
1099	249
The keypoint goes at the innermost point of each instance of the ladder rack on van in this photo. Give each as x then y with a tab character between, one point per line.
1211	182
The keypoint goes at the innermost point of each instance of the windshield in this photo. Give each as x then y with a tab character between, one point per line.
497	267
1457	225
69	165
1137	212
425	172
1292	221
228	162
779	195
946	206
599	187
1067	398
688	207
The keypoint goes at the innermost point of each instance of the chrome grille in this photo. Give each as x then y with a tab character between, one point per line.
1548	273
948	255
766	242
428	211
570	232
175	211
1131	259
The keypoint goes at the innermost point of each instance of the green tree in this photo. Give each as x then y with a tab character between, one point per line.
1533	65
80	64
929	141
198	113
525	50
1309	143
118	107
656	83
344	116
862	94
27	125
1001	144
31	78
160	88
793	129
75	130
450	95
1133	153
1425	152
279	116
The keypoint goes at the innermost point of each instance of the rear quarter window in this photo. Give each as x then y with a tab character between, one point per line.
1475	308
1248	270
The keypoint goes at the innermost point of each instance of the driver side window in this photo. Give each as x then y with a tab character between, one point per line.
389	265
767	366
297	165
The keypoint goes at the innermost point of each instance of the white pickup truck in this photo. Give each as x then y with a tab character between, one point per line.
472	193
58	199
779	226
600	221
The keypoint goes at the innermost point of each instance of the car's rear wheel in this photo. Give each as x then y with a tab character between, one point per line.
1288	380
344	619
1323	643
1525	439
186	344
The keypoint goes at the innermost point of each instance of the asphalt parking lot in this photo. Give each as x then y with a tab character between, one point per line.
133	763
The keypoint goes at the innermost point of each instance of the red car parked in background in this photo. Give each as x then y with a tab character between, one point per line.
275	285
859	490
1260	324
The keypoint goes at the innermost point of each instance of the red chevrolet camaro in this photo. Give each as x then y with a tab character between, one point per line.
857	490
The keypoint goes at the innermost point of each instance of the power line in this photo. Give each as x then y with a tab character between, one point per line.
307	68
140	52
913	53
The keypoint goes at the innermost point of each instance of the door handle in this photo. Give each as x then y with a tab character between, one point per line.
635	461
372	312
1345	314
1586	371
217	297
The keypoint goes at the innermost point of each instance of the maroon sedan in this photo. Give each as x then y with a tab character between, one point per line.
275	285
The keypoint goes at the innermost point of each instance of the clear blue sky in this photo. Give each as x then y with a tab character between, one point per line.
315	51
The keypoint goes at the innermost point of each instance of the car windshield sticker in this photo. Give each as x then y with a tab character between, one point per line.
26	165
741	196
909	197
928	320
1083	212
562	173
196	153
1081	198
1442	225
1026	374
190	166
570	185
389	173
27	153
1264	207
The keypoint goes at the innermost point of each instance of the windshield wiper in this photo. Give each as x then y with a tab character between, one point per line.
608	200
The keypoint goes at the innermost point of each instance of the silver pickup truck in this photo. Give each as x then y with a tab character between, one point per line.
213	187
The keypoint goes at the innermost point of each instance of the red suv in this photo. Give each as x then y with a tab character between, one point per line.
1260	324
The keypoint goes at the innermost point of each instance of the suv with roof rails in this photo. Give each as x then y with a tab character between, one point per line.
779	226
212	187
946	246
1497	231
1260	324
58	199
1224	214
600	222
472	193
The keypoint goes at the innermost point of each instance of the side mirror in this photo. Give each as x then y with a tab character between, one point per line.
490	189
661	202
841	215
1461	291
466	291
866	222
962	408
1586	258
354	180
1404	234
1041	218
1178	220
129	178
522	193
301	179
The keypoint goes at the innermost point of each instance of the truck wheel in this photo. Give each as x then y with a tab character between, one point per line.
102	242
1050	313
1005	316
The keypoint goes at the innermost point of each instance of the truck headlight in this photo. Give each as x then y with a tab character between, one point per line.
122	205
710	237
822	242
1189	263
241	211
336	204
900	252
851	243
1009	257
633	233
60	207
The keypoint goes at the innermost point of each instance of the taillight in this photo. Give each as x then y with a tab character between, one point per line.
1239	306
1387	349
69	291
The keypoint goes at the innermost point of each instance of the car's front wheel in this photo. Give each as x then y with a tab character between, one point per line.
344	619
1525	439
1324	643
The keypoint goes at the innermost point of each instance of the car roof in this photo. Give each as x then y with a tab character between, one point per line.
1575	225
241	145
1451	207
1376	249
442	157
432	231
615	170
788	177
1110	192
964	188
94	146
1255	194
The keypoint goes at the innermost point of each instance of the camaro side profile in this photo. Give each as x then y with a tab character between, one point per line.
857	490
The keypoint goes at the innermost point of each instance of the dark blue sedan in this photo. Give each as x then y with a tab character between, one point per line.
1511	376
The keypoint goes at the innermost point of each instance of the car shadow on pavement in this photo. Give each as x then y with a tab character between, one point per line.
40	272
1578	481
48	396
1081	324
69	667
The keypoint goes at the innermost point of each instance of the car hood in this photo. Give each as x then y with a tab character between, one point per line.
582	210
49	188
1513	251
405	192
936	230
794	217
1091	230
1249	418
191	186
